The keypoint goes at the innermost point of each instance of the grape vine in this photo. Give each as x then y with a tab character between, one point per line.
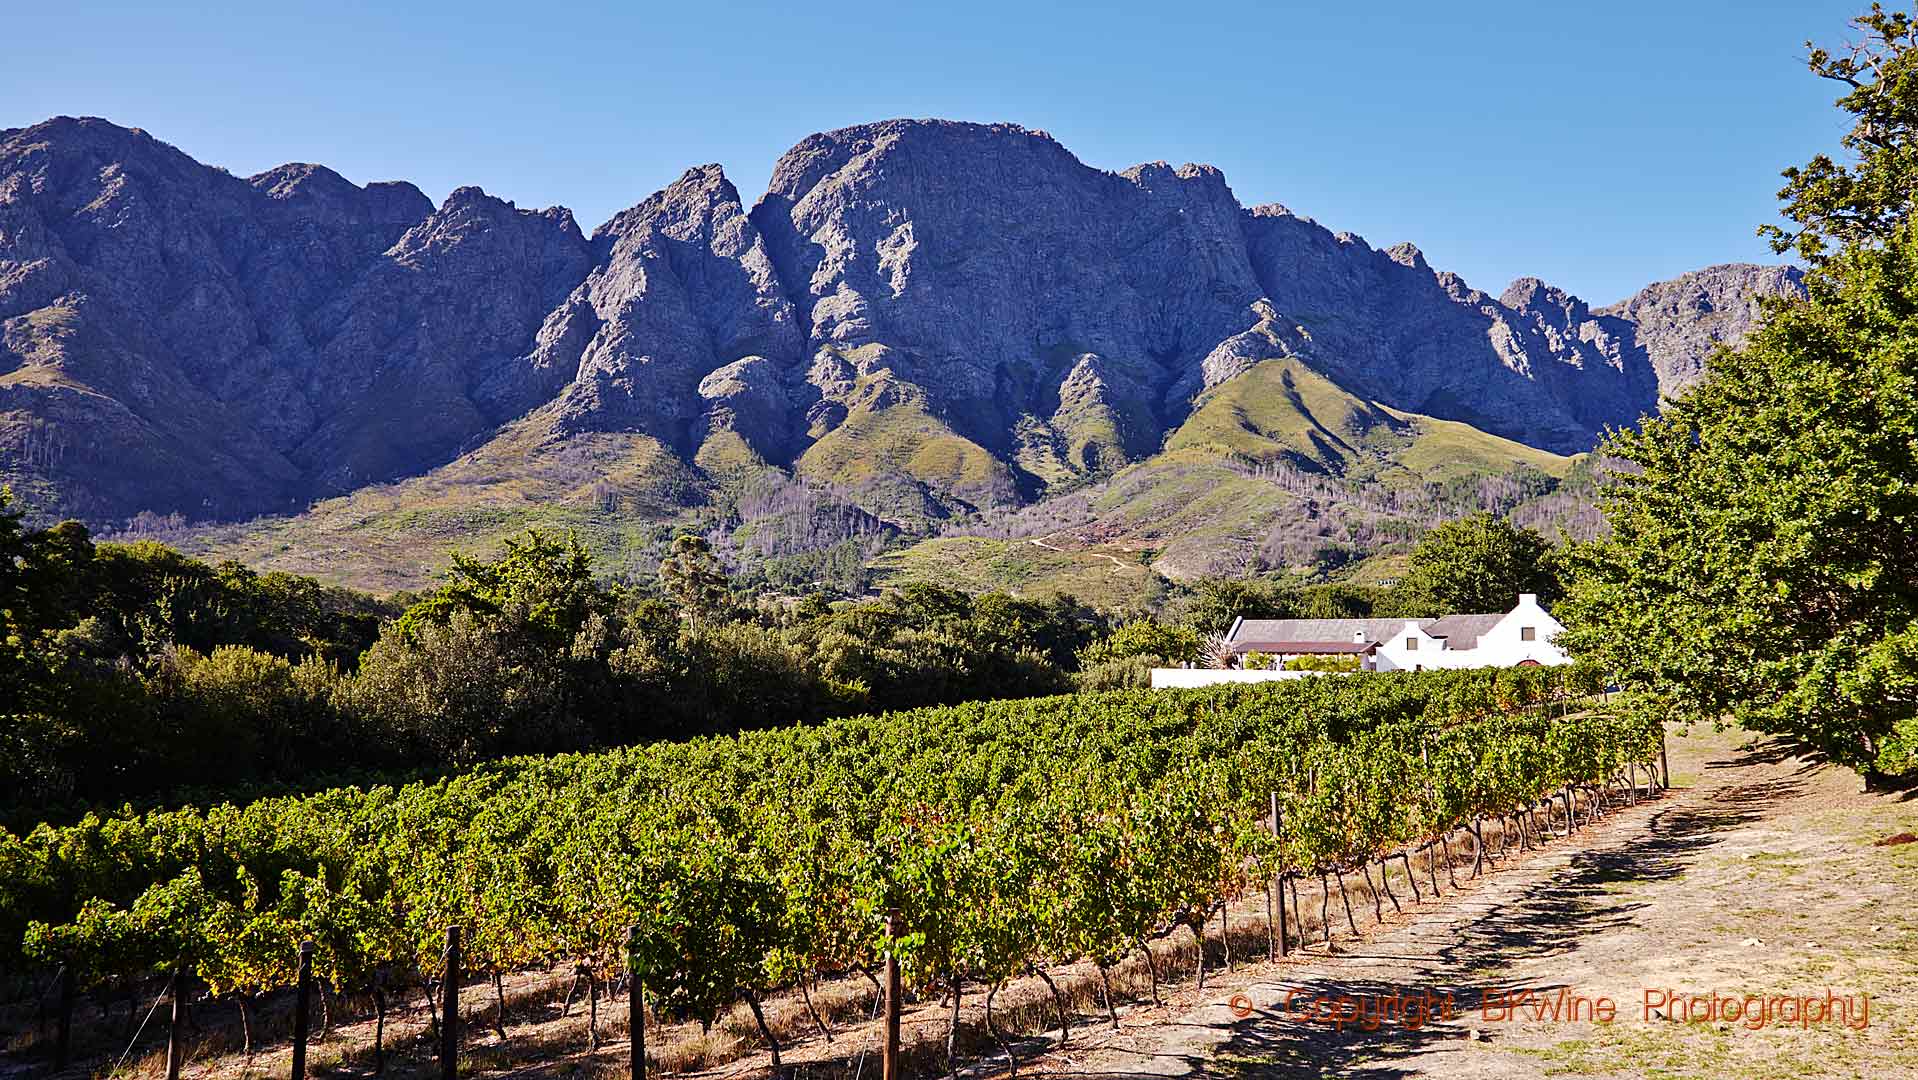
1006	835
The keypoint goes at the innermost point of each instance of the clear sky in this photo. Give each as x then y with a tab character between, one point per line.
1598	146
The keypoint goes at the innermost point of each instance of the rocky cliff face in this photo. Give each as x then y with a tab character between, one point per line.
178	339
1681	322
1031	316
930	315
1533	364
681	288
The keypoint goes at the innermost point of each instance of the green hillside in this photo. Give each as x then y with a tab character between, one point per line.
909	467
1108	578
1278	469
1284	410
618	492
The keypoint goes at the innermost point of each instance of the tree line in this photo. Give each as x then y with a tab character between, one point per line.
131	671
134	672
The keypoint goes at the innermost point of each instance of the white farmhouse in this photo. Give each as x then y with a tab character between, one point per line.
1520	637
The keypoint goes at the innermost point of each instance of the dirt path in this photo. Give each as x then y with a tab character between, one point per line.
1118	565
1758	878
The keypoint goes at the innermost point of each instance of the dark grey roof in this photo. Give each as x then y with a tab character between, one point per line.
1314	648
1250	630
1462	631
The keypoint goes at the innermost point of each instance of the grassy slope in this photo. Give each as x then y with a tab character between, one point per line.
617	492
911	467
1110	579
1194	508
1284	410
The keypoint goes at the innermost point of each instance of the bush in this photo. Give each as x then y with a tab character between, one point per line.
1173	644
1129	673
1323	663
460	691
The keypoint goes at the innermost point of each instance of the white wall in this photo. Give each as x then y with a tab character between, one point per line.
1167	678
1394	656
1502	645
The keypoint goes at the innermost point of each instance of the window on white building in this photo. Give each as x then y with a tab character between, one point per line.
1528	633
1411	644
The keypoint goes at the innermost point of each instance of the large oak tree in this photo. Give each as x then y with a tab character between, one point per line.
1762	562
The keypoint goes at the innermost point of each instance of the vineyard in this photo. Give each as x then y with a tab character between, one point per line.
1002	836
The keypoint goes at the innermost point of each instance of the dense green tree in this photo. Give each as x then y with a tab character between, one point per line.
1477	564
41	576
1173	643
238	714
541	585
926	644
1762	562
1868	201
121	669
1056	626
460	690
1210	604
1125	658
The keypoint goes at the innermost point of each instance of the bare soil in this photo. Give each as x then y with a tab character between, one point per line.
1759	875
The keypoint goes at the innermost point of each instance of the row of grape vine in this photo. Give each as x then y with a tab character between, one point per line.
1003	835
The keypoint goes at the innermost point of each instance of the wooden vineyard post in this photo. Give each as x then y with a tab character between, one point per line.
63	1024
636	1004
303	990
889	1056
450	1008
1277	821
1271	928
173	1048
379	1020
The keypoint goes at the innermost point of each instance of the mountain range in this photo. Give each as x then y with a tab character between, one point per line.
922	326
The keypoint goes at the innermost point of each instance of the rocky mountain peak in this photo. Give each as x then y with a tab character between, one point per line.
298	179
688	205
1408	255
924	313
683	286
1681	322
1529	295
315	191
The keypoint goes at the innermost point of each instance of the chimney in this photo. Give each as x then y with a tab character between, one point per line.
1528	599
1358	637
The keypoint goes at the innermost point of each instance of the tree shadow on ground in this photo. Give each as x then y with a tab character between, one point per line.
1589	895
1779	749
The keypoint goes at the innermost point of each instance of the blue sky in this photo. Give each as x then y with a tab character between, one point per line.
1597	146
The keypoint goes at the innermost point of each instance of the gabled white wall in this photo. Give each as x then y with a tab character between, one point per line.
1503	644
1394	656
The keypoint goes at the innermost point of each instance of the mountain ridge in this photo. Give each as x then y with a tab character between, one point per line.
933	318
